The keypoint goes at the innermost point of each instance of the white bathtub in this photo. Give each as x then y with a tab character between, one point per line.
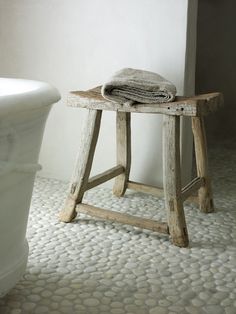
24	107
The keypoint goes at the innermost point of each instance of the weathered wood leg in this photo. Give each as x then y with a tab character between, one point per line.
123	147
172	181
205	192
83	166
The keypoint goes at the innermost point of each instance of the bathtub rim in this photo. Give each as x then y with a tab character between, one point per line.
39	95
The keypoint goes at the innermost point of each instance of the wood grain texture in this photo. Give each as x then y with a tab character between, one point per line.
145	188
192	187
159	192
84	161
124	218
182	106
123	151
104	176
172	181
196	107
205	192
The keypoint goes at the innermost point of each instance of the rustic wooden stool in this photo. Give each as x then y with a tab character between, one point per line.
196	107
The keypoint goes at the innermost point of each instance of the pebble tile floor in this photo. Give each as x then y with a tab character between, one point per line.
92	266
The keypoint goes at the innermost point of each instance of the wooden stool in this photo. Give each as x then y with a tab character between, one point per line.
195	107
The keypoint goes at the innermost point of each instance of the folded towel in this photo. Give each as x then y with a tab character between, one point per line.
132	85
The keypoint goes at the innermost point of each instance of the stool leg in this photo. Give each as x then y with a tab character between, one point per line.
205	192
83	166
123	151
172	181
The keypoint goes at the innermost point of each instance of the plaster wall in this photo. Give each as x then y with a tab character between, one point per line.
77	44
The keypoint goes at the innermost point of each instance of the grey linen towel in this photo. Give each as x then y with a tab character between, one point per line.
133	85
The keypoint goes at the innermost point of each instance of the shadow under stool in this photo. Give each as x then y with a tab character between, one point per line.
195	107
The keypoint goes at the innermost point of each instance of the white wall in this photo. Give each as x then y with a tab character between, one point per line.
77	44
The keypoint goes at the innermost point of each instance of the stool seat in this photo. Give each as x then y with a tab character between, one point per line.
200	105
195	107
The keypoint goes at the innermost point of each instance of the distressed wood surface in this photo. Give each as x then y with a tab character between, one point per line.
104	176
145	188
182	106
196	107
172	181
192	187
159	192
83	165
205	192
124	218
123	151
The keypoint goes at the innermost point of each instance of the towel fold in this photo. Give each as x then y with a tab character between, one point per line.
133	85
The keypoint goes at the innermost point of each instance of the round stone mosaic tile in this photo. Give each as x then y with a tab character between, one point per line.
94	266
